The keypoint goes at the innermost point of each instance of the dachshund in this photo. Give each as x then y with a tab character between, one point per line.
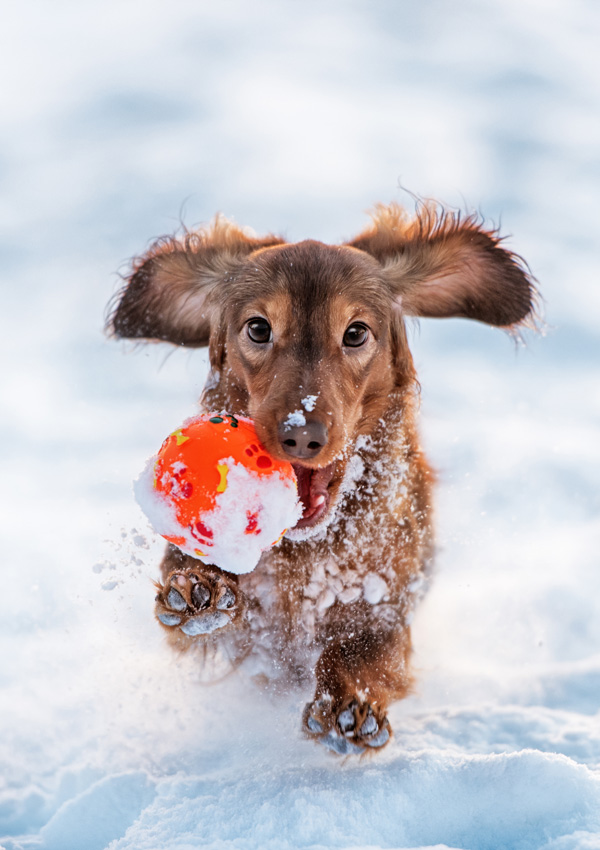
319	331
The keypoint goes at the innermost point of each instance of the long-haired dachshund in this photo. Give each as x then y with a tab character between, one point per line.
319	331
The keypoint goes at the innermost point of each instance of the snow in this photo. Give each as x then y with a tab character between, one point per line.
391	808
374	588
296	417
272	499
117	125
309	403
100	814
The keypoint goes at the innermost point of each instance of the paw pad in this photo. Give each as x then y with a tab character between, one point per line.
205	624
200	596
169	619
346	721
226	599
196	603
176	600
353	728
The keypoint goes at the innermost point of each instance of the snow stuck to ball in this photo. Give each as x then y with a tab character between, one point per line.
250	515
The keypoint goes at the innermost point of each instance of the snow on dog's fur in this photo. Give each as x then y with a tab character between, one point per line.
289	322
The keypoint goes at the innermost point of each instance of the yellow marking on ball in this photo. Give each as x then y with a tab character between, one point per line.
275	542
222	469
180	437
198	552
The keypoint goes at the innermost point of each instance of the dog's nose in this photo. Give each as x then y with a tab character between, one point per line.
303	441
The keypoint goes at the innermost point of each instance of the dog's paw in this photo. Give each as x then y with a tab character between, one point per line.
353	727
196	602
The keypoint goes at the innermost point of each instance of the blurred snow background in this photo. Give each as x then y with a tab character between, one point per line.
118	120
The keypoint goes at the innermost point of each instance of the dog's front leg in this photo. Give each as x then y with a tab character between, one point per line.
195	598
357	678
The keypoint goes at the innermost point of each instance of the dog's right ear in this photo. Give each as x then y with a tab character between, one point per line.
441	264
173	291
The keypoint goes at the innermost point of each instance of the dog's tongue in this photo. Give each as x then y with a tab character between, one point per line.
312	491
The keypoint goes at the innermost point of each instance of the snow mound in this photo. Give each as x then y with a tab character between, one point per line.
100	814
525	801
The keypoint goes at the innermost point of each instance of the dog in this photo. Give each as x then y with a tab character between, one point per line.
318	331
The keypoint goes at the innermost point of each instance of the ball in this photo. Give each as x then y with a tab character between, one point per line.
216	493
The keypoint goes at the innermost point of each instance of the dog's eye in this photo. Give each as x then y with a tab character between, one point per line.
356	335
259	330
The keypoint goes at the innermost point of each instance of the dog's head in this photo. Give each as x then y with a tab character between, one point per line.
308	339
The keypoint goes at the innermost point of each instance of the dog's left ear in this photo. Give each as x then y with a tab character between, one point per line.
440	265
173	291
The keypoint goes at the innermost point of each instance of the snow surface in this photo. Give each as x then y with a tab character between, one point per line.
117	121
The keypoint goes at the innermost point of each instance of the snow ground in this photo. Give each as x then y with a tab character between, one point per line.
117	119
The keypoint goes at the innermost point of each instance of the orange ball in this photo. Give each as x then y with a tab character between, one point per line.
225	495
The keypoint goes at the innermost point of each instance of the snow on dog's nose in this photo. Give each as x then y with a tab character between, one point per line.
302	438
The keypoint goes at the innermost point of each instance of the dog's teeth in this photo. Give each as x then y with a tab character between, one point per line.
319	501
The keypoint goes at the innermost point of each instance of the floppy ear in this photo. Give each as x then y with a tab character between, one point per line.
440	264
172	292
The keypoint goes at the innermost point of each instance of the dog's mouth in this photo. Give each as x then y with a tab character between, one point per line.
313	492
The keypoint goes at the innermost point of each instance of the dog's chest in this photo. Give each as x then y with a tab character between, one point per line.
365	570
303	586
332	583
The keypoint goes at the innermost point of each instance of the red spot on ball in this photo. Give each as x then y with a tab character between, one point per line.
249	452
252	526
264	462
254	448
187	488
204	530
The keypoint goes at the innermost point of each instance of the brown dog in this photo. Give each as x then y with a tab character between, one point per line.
309	340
